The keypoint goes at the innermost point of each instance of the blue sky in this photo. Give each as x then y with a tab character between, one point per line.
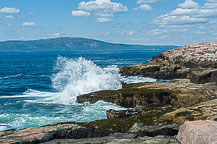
177	22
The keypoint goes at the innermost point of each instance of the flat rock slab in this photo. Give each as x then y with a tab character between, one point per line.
36	135
198	132
118	138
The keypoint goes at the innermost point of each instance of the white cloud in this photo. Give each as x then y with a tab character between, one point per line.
189	4
188	13
9	17
9	10
144	7
103	19
210	5
80	13
31	23
178	20
146	1
103	9
214	1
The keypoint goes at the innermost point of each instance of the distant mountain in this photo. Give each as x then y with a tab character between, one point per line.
70	43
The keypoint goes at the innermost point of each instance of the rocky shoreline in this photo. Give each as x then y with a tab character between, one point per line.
157	109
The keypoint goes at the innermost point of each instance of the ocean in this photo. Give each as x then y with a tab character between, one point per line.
40	87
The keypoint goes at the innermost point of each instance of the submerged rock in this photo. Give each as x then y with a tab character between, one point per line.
198	132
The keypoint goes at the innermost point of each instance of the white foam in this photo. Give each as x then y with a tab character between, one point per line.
12	76
75	77
136	79
2	128
32	93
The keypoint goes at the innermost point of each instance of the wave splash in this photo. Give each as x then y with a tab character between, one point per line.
79	76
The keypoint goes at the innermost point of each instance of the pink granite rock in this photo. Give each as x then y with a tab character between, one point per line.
198	132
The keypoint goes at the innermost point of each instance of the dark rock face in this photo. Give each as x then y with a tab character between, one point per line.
178	92
204	77
129	97
158	72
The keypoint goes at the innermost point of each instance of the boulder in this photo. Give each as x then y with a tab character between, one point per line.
42	134
198	132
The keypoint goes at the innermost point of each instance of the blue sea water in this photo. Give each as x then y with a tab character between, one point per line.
40	87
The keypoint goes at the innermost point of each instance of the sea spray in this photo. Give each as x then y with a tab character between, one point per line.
79	76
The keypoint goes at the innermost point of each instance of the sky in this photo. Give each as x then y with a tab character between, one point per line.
162	22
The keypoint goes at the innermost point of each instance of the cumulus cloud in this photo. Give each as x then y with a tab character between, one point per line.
105	10
9	10
80	13
144	7
189	4
187	13
31	23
